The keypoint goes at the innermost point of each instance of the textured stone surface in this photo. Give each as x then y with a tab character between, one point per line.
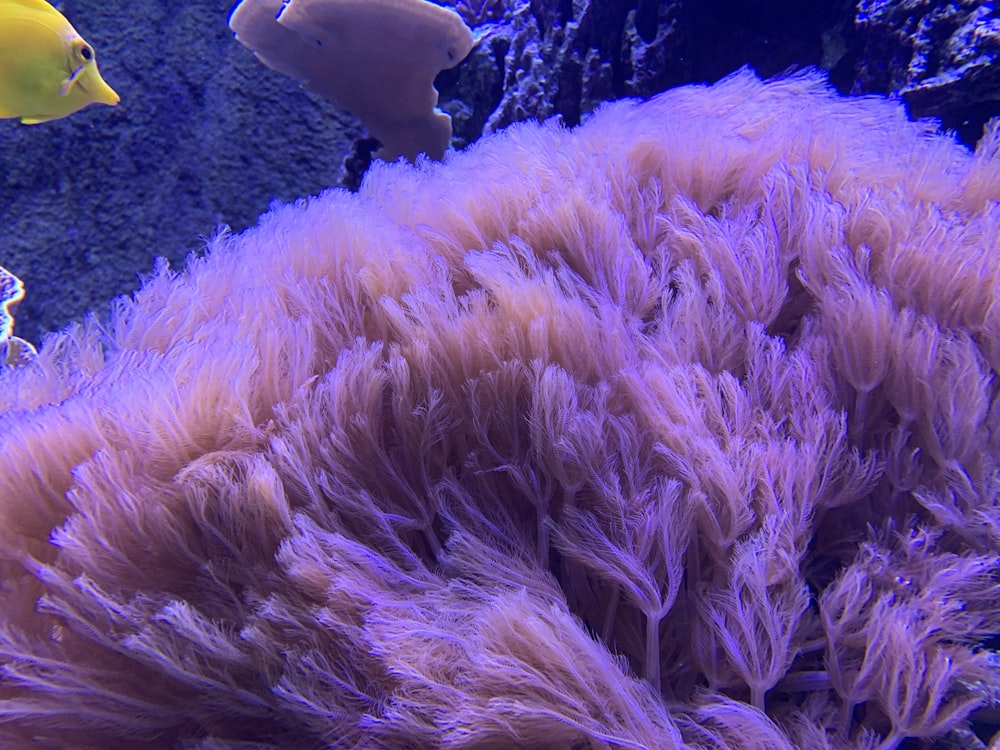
205	136
938	56
541	59
563	58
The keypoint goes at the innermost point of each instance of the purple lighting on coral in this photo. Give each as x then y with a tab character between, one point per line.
676	430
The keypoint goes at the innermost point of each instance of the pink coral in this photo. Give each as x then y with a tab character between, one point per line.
674	430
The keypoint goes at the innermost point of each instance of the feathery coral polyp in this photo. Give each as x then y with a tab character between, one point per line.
674	430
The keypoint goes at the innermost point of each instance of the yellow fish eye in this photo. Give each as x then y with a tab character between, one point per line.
83	50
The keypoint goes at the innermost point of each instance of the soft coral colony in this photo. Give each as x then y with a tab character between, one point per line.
676	430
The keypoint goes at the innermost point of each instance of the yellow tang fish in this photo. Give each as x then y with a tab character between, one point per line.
47	70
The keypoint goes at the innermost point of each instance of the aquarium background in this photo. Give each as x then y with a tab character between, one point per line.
673	428
206	137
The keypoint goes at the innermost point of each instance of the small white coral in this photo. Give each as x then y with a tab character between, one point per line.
376	58
13	350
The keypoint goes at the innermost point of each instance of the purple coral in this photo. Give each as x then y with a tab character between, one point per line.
575	439
476	12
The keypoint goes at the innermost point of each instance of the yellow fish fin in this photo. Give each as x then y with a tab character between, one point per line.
68	83
39	5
